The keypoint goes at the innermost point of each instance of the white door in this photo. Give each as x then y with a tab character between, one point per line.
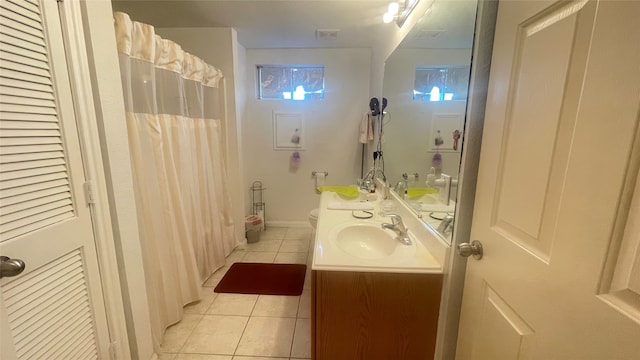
54	309
555	207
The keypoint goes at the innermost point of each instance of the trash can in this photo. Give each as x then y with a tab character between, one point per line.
252	226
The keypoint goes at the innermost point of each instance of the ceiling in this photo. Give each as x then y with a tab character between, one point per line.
293	23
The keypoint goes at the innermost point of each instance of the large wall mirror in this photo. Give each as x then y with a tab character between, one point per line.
425	83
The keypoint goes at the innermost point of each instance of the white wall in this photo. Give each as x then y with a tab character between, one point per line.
408	135
331	130
219	47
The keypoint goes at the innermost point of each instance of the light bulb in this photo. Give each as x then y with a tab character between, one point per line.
394	7
387	17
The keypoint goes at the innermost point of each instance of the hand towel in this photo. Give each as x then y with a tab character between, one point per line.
366	128
346	191
416	192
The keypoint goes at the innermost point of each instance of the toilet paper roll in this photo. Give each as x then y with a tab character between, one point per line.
319	179
261	216
411	178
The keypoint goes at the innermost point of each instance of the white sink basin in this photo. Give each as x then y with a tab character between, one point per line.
368	240
344	243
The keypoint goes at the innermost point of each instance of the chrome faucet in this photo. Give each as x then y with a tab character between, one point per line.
398	227
446	224
401	188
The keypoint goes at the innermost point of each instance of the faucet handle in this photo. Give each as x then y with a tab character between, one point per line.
397	220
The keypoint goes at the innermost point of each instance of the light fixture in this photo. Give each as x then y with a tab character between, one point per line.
399	11
387	17
394	8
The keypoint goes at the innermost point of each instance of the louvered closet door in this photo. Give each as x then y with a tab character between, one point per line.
55	308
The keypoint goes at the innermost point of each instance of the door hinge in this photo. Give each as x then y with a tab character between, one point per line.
88	193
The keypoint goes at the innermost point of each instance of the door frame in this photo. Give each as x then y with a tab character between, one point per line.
79	78
125	329
455	265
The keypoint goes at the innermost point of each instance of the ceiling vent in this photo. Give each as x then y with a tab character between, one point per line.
327	34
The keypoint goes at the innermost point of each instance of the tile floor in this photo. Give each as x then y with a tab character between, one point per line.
249	327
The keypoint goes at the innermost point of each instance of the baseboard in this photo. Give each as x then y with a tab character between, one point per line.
293	224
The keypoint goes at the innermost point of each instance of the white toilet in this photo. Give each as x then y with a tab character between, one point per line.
313	218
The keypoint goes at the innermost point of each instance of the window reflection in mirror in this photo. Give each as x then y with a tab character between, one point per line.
425	82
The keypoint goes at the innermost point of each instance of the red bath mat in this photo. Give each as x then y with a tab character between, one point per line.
264	279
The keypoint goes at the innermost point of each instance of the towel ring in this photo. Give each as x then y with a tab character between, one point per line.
431	215
368	215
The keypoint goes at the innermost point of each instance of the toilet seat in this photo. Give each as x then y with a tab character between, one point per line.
313	217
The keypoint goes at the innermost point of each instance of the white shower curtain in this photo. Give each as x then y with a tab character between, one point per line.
174	105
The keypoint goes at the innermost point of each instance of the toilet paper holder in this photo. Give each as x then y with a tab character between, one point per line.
406	176
313	173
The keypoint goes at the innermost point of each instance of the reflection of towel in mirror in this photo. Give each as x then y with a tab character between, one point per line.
366	128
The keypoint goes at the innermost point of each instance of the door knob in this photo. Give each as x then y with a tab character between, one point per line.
475	249
10	267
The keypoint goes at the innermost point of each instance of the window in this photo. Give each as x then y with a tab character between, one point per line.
441	84
288	82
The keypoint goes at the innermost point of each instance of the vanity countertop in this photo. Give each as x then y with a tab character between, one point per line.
328	255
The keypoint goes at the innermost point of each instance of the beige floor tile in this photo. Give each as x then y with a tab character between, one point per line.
291	258
302	339
259	257
234	257
200	307
267	336
257	358
304	306
233	304
276	306
216	334
176	335
167	356
215	278
212	282
310	258
299	233
202	357
307	279
294	246
265	245
273	233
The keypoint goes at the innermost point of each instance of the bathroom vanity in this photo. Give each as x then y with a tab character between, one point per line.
372	296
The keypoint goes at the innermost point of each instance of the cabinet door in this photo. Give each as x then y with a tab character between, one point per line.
375	315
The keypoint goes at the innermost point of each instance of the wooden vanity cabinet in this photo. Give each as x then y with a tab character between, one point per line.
371	315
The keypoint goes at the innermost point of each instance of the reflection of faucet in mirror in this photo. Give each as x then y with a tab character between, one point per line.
403	185
446	224
401	188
